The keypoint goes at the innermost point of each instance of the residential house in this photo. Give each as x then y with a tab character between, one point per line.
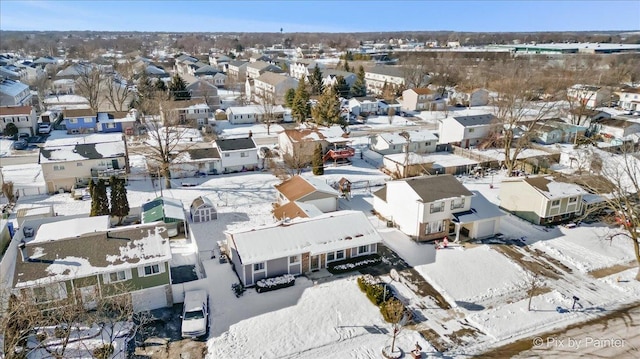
74	71
300	144
254	113
270	87
80	120
204	70
421	99
590	96
259	57
13	72
419	141
465	131
122	122
155	71
84	259
384	106
403	165
183	63
63	86
432	207
629	98
237	154
24	117
616	127
471	97
205	91
363	105
34	71
299	246
14	93
219	79
541	199
377	76
557	131
221	62
169	211
71	162
196	161
203	209
309	191
302	68
330	77
255	69
237	71
192	113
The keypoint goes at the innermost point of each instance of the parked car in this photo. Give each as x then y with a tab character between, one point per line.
20	145
44	128
195	314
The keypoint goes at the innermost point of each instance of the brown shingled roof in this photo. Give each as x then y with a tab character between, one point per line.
422	91
15	110
81	112
289	210
295	187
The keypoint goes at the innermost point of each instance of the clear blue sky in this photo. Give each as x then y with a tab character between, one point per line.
320	16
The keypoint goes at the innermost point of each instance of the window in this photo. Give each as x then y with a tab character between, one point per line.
244	154
151	269
363	249
434	227
117	276
572	200
457	203
294	259
340	254
258	267
331	257
226	155
51	292
555	203
437	207
78	164
110	125
471	130
58	168
73	120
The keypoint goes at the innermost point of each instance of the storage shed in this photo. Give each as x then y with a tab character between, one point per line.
203	210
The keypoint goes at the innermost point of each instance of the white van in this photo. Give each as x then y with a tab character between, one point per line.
195	315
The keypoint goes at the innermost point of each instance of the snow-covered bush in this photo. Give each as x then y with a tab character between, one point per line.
283	281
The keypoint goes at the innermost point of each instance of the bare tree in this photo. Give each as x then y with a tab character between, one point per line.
533	286
42	85
268	116
398	316
445	72
619	188
119	90
415	71
89	84
517	112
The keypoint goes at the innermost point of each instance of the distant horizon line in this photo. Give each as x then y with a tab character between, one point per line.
328	32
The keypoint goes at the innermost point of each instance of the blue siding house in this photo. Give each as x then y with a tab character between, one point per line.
109	122
80	120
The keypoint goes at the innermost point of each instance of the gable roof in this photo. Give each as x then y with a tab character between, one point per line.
273	78
616	122
328	232
91	253
296	210
392	71
298	187
202	201
79	112
15	110
436	188
552	189
422	91
82	151
203	153
234	144
12	87
474	120
163	209
481	209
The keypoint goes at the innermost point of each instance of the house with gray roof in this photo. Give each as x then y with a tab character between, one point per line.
465	131
377	76
14	93
237	154
271	87
255	69
71	162
84	258
433	207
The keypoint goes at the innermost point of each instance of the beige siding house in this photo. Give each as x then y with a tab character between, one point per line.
421	99
541	199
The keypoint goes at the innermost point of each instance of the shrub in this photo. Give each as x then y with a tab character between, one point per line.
103	351
274	283
352	264
374	291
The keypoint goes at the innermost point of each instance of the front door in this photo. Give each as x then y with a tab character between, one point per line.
315	263
89	297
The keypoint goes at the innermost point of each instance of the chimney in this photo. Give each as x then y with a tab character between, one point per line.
23	251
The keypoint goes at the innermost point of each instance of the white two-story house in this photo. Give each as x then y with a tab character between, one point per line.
24	117
237	154
432	207
465	131
376	77
270	87
629	98
590	96
421	99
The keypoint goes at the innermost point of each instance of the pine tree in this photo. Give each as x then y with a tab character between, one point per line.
346	66
289	96
119	201
341	87
178	88
359	88
99	199
317	163
315	81
327	111
300	108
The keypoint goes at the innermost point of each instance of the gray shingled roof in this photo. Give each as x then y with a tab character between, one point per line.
394	71
435	188
474	120
233	144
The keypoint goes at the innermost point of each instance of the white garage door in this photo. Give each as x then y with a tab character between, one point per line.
149	299
485	229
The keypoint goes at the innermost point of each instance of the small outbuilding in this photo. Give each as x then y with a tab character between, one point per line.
203	210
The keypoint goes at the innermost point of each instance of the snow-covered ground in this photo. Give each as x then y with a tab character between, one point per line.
486	287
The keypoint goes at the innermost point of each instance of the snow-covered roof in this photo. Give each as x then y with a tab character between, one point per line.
325	233
438	159
163	208
12	88
69	228
415	136
481	209
84	139
91	253
552	189
80	152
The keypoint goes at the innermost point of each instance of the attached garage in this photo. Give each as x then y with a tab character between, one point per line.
203	210
152	298
484	229
480	221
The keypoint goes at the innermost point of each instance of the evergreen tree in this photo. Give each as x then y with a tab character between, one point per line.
346	66
359	88
289	96
178	88
317	163
160	86
341	87
300	108
327	111
119	201
315	81
99	199
11	129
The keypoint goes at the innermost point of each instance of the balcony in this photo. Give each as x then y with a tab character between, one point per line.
107	172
